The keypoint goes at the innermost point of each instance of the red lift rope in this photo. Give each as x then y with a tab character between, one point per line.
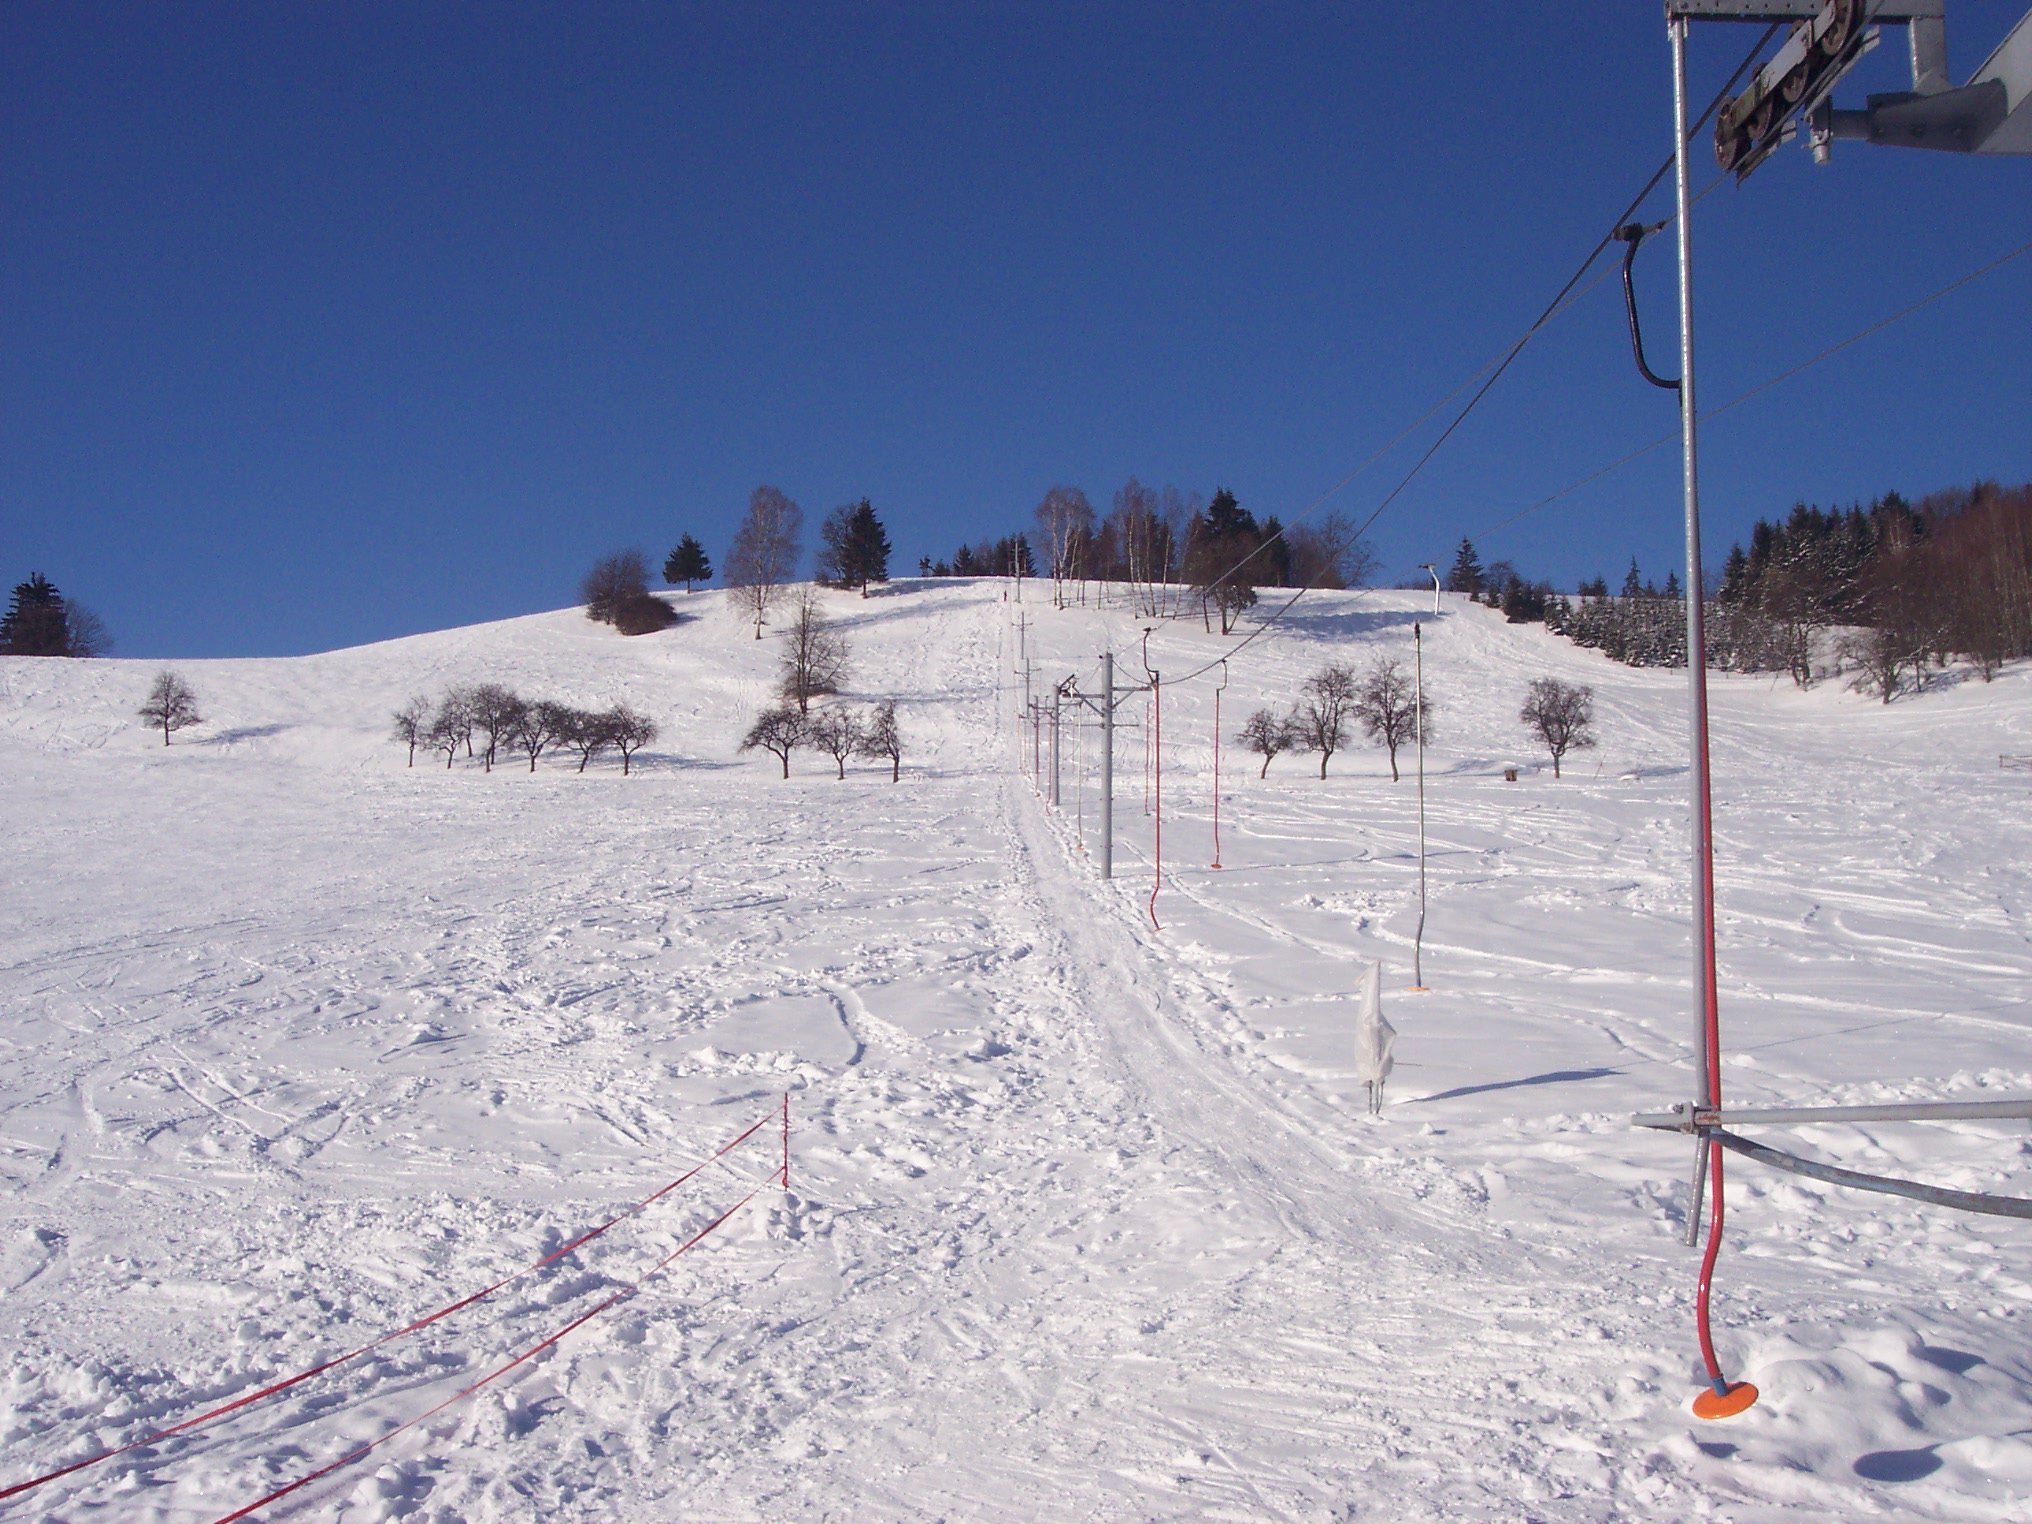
1157	782
276	1387
1157	816
1217	764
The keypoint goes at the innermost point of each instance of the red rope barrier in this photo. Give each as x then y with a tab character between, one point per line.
275	1387
499	1371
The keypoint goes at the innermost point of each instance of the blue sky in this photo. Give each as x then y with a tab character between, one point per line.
325	323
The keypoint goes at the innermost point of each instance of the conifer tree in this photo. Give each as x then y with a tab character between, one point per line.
687	564
37	622
855	549
1465	575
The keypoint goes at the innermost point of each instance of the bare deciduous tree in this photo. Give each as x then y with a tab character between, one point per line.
1387	706
1880	658
836	732
1325	705
172	705
777	731
612	581
584	732
814	655
89	635
1327	553
616	592
541	724
1562	715
630	732
449	730
452	725
880	738
1268	736
764	553
496	713
412	724
1065	527
1135	529
643	614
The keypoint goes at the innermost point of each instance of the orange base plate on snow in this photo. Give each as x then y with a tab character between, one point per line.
1713	1404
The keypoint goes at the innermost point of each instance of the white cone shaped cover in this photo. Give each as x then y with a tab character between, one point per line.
1374	1037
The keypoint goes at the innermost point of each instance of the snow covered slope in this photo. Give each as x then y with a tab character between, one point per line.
1085	1218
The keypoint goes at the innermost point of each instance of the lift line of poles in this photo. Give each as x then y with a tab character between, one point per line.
1046	719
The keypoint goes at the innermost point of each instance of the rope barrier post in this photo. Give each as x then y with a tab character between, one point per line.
1724	1398
786	1140
1418	720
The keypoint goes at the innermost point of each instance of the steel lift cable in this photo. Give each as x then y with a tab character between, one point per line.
1758	390
1495	370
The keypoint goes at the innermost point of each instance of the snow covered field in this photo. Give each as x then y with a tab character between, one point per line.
1085	1218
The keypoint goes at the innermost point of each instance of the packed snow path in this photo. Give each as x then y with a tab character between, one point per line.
1085	1221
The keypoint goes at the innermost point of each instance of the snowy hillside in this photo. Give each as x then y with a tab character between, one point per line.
1085	1218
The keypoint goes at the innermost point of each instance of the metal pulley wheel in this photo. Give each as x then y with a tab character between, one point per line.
1728	143
1845	18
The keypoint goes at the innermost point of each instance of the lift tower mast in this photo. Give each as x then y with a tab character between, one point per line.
1987	115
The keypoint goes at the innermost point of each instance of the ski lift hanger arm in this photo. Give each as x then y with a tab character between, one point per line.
1705	1121
1684	1118
1833	1174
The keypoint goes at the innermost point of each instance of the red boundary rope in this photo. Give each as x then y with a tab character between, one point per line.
494	1375
275	1387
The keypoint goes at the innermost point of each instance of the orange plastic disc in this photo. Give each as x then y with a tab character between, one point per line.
1737	1399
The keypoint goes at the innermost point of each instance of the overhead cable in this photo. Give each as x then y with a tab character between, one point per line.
1758	390
1494	371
